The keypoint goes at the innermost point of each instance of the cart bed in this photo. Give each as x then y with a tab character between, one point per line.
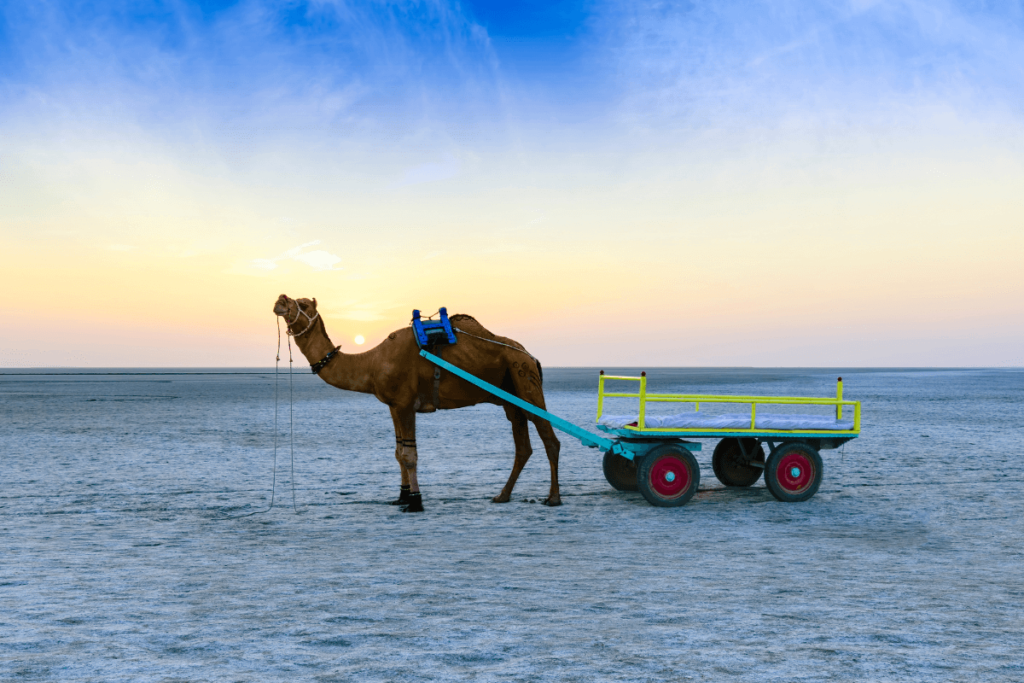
696	420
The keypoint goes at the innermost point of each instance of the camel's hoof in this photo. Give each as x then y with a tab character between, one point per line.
415	503
401	500
552	502
403	496
500	499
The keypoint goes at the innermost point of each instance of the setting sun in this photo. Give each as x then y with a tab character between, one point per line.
359	339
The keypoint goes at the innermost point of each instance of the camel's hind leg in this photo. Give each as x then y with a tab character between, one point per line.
521	436
551	447
528	387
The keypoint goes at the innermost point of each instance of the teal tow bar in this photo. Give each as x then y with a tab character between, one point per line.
590	440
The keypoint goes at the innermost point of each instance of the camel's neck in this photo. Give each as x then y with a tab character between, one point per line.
352	372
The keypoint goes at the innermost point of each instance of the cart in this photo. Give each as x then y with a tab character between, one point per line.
654	454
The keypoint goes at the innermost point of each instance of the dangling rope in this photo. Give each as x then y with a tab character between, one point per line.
291	419
291	427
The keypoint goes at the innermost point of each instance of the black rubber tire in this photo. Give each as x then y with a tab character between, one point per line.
786	472
731	467
668	476
620	472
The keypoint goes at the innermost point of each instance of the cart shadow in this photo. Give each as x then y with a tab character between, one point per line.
712	495
724	494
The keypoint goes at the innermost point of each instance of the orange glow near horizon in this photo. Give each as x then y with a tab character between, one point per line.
905	255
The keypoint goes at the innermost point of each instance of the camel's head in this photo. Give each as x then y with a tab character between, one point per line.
289	308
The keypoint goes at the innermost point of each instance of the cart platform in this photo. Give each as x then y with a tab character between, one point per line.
832	430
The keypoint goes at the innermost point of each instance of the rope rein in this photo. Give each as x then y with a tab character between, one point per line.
291	417
291	425
493	341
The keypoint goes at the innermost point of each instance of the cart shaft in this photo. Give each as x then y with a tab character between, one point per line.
588	438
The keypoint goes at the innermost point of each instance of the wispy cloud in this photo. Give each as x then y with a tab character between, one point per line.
336	68
713	65
317	259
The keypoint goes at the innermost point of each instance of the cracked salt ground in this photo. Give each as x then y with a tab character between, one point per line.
118	565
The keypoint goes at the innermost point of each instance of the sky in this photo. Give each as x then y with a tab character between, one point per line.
644	184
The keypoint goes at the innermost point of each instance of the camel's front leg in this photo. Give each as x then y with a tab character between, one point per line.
405	434
403	491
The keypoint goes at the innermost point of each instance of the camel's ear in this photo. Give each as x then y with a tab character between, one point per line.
314	302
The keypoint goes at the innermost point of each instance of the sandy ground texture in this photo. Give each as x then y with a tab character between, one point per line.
118	562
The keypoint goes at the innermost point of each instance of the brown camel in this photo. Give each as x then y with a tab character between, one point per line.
407	383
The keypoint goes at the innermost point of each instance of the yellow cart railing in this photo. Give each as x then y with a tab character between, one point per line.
697	399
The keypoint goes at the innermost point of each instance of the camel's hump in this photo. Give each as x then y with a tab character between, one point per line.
473	325
470	322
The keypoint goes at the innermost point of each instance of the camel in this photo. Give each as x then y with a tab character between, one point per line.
407	384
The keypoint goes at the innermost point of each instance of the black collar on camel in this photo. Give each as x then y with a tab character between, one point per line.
322	363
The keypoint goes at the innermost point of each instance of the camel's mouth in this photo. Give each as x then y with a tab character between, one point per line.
281	307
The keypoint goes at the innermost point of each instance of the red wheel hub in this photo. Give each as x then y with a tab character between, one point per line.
795	472
670	477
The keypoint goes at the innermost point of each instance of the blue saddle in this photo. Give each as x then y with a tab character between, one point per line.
431	333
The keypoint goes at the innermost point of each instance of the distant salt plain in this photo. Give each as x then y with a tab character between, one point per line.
118	562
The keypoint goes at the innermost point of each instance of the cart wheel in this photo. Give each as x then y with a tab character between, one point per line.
668	476
620	472
793	472
731	466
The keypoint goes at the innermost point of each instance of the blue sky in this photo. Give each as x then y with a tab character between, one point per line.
214	142
486	69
